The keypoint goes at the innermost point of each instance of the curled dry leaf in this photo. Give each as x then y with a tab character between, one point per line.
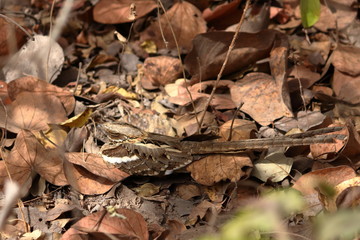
159	71
31	60
333	16
274	167
219	167
32	111
304	120
346	59
308	183
208	53
346	87
9	32
100	224
188	191
4	96
118	11
261	96
28	156
347	193
83	180
326	151
179	16
35	85
223	15
96	165
240	129
204	209
221	99
299	74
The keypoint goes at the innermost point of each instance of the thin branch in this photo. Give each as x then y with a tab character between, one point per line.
182	65
232	44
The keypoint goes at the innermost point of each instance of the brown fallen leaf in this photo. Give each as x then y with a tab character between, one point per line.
205	209
27	157
179	16
346	87
261	97
340	18
326	151
208	53
118	11
31	111
84	181
307	183
4	96
218	167
96	165
100	224
159	71
304	120
221	99
9	33
223	15
188	191
37	86
239	129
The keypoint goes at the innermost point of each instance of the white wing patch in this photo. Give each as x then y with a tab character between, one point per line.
116	160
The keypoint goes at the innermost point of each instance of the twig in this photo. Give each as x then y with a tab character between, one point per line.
18	25
232	44
182	65
50	41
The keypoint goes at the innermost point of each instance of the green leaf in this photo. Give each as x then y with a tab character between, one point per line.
310	12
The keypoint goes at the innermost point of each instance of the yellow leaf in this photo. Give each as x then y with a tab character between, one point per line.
121	91
149	46
53	137
78	120
126	94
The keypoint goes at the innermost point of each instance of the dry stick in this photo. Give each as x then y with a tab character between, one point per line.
226	60
15	23
50	41
60	23
182	65
19	202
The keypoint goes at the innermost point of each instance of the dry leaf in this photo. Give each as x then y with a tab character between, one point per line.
327	150
218	167
159	71
188	191
223	15
304	120
208	53
202	210
35	85
307	183
9	32
31	111
52	138
221	100
118	11
346	87
333	16
79	120
179	15
274	167
84	181
99	224
261	97
346	59
41	66
240	129
28	156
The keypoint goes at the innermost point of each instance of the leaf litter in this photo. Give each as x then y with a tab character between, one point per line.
278	79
